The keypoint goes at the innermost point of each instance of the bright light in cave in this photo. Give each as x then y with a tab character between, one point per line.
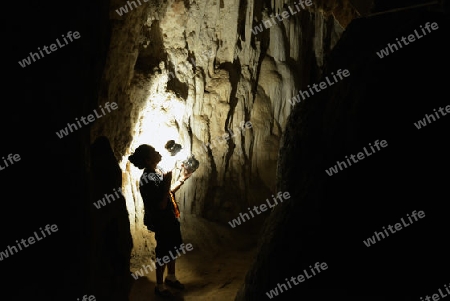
159	121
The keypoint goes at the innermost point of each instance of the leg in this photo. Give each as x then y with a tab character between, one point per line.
171	267
171	279
160	273
160	288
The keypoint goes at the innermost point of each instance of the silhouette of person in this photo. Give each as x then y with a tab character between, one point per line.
161	212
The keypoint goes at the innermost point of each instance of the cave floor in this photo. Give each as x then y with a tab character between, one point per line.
214	270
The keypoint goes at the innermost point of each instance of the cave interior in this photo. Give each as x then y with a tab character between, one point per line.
333	113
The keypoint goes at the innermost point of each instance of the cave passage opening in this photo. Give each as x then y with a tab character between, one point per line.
220	255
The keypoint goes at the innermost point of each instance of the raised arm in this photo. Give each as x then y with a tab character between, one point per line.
184	175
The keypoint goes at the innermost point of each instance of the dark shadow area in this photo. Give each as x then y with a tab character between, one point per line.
50	184
109	227
144	290
152	53
329	217
175	85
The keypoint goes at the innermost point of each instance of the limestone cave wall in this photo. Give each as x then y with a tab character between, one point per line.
205	58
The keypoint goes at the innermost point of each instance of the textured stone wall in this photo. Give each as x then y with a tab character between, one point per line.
204	58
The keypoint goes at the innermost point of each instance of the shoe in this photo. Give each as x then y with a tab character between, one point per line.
163	293
175	284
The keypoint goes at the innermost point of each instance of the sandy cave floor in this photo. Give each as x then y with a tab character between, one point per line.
214	270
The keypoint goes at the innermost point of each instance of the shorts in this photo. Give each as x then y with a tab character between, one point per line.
168	238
